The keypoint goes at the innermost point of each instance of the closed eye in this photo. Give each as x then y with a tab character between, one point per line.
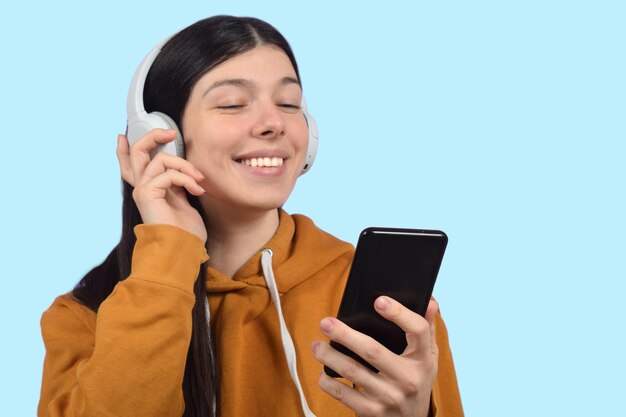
231	107
291	108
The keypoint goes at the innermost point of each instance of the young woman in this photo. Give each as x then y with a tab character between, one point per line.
214	291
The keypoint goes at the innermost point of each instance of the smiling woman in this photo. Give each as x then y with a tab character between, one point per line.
241	116
214	299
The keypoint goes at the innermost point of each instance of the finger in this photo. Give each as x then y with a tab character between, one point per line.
431	312
153	138
416	327
176	178
348	396
347	367
140	151
366	347
159	185
123	157
162	162
420	333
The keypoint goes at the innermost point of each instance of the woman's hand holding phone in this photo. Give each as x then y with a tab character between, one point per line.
404	382
160	183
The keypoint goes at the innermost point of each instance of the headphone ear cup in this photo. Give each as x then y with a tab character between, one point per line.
311	151
143	123
179	143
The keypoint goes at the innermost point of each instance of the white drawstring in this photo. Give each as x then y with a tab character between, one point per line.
288	347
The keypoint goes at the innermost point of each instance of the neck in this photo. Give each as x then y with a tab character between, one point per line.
235	237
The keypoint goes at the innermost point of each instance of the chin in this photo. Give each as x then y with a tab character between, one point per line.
268	204
253	202
267	198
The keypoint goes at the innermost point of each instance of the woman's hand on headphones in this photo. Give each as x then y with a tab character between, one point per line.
404	382
160	183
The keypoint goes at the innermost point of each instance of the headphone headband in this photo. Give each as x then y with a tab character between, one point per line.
134	103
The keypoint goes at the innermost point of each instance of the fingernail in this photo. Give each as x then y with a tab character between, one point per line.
199	173
315	346
382	303
327	325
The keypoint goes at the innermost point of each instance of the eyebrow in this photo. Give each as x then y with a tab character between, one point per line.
289	80
243	83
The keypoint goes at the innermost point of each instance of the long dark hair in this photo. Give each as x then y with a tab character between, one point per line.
183	60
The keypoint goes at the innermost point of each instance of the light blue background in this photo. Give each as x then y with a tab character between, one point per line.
500	122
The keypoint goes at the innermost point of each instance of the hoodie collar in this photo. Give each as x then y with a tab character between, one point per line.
251	273
300	249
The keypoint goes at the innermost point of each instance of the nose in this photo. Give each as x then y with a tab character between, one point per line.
270	122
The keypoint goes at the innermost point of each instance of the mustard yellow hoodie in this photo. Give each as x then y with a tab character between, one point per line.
129	358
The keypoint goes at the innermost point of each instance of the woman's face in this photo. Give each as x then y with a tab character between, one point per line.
244	129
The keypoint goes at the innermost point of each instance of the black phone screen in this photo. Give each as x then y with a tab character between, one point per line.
400	263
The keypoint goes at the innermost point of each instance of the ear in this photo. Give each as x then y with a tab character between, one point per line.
123	156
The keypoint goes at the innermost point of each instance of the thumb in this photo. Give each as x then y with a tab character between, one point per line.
431	311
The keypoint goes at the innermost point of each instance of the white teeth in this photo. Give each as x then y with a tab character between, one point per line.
263	162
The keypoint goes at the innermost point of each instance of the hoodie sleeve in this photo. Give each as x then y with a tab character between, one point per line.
445	398
130	358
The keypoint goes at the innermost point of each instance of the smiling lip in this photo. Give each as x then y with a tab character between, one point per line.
263	158
263	162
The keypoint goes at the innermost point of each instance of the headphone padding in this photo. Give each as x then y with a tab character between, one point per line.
179	143
143	123
314	135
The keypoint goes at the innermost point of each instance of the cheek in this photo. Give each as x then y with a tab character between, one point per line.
208	140
303	136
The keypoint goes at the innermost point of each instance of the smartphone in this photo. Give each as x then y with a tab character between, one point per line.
400	263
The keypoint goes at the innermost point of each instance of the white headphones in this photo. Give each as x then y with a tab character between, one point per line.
139	122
